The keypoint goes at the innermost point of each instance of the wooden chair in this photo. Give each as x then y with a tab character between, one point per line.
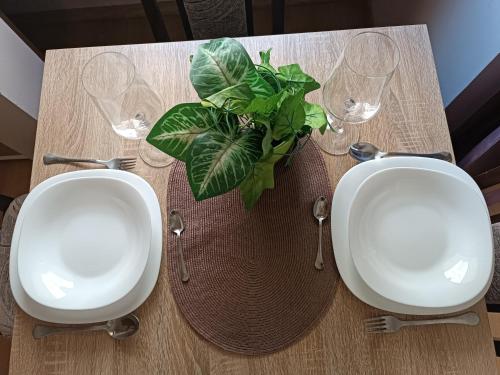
6	299
493	296
213	18
217	18
483	164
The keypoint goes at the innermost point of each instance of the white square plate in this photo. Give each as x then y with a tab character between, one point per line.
342	199
421	237
84	242
128	302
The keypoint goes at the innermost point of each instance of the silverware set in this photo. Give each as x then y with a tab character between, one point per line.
120	328
128	325
361	151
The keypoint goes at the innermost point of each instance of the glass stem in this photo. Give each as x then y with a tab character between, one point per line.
335	125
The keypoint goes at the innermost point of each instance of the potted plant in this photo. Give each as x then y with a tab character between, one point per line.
249	117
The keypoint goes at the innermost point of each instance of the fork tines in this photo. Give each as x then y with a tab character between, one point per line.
127	163
376	325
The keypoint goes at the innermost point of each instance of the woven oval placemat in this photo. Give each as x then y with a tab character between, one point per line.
253	286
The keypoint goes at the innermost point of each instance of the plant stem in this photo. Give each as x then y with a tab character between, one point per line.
272	74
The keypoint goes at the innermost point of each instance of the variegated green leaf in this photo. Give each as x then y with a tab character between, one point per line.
222	63
176	129
218	163
234	98
262	175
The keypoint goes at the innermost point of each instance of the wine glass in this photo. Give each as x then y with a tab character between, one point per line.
353	92
126	101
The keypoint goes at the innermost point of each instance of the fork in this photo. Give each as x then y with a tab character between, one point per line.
390	324
116	163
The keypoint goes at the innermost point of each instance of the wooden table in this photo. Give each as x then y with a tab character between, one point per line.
412	118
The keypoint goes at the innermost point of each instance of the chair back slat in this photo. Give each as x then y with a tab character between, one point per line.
216	18
155	20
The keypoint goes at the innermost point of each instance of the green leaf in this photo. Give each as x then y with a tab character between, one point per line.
218	163
267	71
176	129
262	175
295	77
290	117
235	98
280	150
261	119
315	116
267	141
263	105
222	63
265	57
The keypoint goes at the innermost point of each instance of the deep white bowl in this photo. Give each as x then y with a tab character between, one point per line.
84	243
420	237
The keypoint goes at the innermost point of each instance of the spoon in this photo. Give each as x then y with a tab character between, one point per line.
119	328
320	212
364	151
176	226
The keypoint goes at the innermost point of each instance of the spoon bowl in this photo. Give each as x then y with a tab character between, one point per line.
175	223
363	151
123	327
320	209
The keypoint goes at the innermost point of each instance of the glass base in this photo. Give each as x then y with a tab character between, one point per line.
152	156
337	142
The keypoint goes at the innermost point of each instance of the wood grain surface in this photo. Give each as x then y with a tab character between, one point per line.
69	124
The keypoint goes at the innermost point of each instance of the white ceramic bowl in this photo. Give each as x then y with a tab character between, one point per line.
420	237
84	243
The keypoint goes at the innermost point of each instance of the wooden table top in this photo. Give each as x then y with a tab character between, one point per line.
412	118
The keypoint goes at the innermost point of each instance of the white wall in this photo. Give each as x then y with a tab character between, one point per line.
465	35
20	72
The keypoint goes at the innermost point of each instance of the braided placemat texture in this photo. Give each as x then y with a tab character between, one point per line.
253	286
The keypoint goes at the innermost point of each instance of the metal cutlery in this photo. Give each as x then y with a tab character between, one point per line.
320	211
390	324
119	329
176	226
116	163
364	151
